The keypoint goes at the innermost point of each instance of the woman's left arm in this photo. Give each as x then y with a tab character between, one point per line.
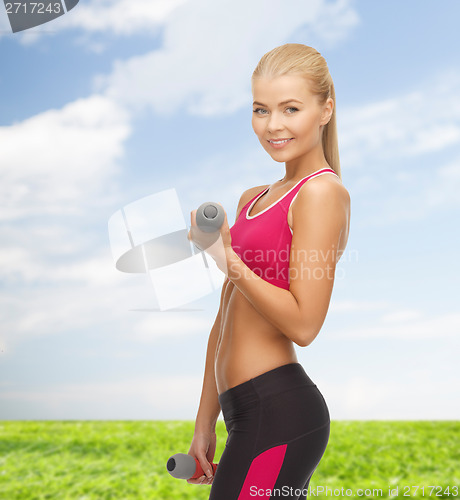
320	215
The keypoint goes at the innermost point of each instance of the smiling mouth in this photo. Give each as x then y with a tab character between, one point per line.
279	144
279	141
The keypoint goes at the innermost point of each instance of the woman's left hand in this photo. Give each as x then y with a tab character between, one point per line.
212	244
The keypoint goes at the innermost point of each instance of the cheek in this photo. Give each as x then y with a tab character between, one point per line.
254	126
257	126
308	127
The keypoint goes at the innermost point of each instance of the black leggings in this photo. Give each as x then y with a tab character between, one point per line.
278	429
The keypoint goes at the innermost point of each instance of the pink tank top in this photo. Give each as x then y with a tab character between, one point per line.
263	241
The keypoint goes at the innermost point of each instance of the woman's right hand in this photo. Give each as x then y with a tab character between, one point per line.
203	448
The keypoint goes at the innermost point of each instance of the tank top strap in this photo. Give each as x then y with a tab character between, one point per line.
287	200
256	196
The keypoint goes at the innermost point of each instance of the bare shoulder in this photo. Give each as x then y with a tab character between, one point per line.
324	189
248	195
323	202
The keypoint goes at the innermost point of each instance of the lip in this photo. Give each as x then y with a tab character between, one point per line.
279	146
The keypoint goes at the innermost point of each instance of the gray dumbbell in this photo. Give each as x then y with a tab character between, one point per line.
183	466
209	217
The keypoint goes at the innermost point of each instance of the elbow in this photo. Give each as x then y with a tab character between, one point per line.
305	336
303	332
303	342
298	338
305	326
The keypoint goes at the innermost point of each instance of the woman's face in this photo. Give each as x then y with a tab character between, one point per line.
284	108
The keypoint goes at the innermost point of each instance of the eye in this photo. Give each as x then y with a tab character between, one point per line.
295	109
259	109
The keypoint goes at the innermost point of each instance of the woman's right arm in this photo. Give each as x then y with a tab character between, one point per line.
209	407
203	445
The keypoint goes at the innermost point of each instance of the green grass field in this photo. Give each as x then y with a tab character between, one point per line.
127	460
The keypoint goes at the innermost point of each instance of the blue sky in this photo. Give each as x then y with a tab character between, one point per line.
118	100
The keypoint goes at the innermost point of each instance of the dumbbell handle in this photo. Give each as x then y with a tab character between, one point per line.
199	470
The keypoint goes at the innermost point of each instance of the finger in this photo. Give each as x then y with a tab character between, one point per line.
205	466
193	217
225	223
198	480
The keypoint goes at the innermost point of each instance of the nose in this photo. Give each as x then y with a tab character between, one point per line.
275	122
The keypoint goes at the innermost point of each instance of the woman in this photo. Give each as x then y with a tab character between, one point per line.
279	259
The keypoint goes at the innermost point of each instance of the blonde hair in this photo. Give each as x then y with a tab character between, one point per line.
299	59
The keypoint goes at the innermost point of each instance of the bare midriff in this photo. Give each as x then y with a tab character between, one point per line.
248	345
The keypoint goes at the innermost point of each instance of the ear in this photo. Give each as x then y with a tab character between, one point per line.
328	109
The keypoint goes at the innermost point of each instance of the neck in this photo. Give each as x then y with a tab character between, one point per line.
303	166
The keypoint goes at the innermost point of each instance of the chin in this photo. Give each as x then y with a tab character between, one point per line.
281	156
278	160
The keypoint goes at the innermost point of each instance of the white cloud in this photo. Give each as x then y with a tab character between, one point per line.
154	397
126	302
55	161
118	17
357	305
210	50
51	310
413	196
403	326
402	315
390	144
121	17
444	187
238	22
412	124
150	328
417	395
32	265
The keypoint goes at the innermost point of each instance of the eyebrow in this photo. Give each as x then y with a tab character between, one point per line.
284	102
